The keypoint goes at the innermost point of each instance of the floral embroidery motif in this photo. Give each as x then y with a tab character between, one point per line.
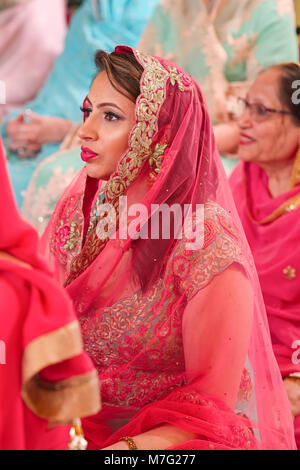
289	273
220	249
243	437
67	236
174	77
245	391
157	157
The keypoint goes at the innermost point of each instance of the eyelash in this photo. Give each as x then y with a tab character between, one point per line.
87	112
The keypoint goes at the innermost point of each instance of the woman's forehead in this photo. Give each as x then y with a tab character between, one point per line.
102	90
266	87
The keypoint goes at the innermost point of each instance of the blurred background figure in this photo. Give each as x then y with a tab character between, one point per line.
223	44
96	24
32	34
266	189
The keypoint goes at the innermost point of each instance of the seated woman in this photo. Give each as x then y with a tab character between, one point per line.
223	44
147	241
26	52
51	116
45	377
266	190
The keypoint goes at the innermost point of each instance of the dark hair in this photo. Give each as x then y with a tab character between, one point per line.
123	71
289	73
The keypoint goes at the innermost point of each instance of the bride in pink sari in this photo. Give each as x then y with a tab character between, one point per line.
175	325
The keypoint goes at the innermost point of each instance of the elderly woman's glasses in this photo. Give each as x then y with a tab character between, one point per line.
258	112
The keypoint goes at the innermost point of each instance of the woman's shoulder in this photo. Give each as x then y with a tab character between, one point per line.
207	223
195	264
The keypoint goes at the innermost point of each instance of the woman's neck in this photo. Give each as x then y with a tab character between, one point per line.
279	176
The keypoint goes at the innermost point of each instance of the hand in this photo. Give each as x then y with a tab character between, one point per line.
292	387
27	138
227	137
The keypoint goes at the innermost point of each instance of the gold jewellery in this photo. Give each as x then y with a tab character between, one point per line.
130	442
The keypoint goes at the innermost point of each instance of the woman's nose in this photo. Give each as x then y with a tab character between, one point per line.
87	132
245	121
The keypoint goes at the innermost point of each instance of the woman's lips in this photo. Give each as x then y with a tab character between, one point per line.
246	139
87	154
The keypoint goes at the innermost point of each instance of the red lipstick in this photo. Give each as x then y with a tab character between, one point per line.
246	139
87	154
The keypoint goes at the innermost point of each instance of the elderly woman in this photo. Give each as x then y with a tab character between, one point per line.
148	244
267	194
26	52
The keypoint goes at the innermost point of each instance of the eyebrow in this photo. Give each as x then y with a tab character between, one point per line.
101	105
257	101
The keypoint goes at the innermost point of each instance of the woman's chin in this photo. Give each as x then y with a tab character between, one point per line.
245	155
96	173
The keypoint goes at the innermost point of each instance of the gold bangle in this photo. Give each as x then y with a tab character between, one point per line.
130	442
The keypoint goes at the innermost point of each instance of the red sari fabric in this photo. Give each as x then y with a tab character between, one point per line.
276	252
178	334
42	360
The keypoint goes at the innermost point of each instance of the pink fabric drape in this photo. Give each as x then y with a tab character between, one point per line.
42	358
276	252
178	334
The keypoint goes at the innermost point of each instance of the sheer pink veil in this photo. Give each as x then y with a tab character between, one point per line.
226	376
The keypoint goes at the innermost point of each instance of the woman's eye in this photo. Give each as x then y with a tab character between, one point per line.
86	111
110	116
261	110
